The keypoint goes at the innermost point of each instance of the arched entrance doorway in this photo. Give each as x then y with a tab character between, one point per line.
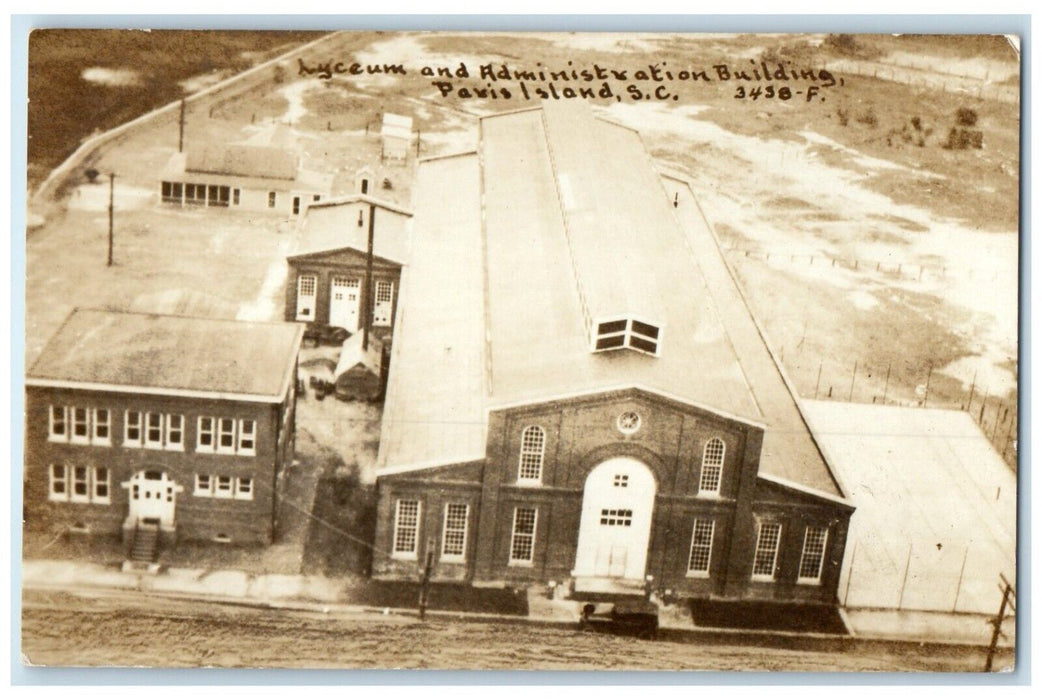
615	526
153	498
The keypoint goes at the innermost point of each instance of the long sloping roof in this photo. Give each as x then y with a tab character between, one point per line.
562	218
151	353
242	159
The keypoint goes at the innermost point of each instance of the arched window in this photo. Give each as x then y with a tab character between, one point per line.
530	469
712	466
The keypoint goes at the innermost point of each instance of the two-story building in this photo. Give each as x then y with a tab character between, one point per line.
175	425
578	390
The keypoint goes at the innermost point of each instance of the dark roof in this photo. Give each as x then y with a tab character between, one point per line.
122	351
241	159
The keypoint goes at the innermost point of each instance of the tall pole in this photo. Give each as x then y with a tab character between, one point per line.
368	296
886	384
181	128
112	187
426	581
926	392
997	623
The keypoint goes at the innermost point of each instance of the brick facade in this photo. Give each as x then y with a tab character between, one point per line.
580	434
340	263
197	517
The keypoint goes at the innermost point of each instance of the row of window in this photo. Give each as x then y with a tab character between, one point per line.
79	484
154	431
83	484
523	533
215	195
407	528
768	540
223	486
533	446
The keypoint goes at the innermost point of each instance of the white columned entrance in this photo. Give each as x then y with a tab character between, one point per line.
615	527
153	498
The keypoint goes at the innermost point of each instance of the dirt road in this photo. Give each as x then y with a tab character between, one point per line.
133	630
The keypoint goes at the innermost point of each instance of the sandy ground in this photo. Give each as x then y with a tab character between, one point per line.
58	630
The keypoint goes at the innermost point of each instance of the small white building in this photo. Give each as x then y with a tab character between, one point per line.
243	176
396	134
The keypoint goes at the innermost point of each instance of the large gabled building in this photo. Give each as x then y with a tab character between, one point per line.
578	390
174	425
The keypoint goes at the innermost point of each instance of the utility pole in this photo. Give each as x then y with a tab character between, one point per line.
112	187
886	384
926	392
181	129
852	376
1007	591
426	581
368	296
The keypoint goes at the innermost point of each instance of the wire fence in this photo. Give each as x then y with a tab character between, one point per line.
906	384
906	270
926	76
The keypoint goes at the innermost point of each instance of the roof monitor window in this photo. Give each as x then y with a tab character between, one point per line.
627	333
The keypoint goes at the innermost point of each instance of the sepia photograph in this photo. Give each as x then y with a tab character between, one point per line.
505	350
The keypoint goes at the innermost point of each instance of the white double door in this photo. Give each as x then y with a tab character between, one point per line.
344	302
615	526
153	498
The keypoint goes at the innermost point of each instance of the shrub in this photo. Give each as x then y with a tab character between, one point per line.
965	116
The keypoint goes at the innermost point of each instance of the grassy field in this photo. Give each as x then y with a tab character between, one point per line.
64	107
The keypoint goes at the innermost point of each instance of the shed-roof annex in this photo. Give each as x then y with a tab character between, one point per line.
933	496
176	355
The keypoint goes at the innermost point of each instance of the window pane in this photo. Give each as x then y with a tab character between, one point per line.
813	553
611	327
645	329
766	549
406	526
712	466
521	545
454	537
615	341
701	546
58	421
533	440
79	422
641	344
101	483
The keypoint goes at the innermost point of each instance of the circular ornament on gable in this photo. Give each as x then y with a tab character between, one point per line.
628	422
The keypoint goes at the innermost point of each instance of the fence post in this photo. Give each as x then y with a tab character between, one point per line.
904	580
958	586
926	393
850	574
